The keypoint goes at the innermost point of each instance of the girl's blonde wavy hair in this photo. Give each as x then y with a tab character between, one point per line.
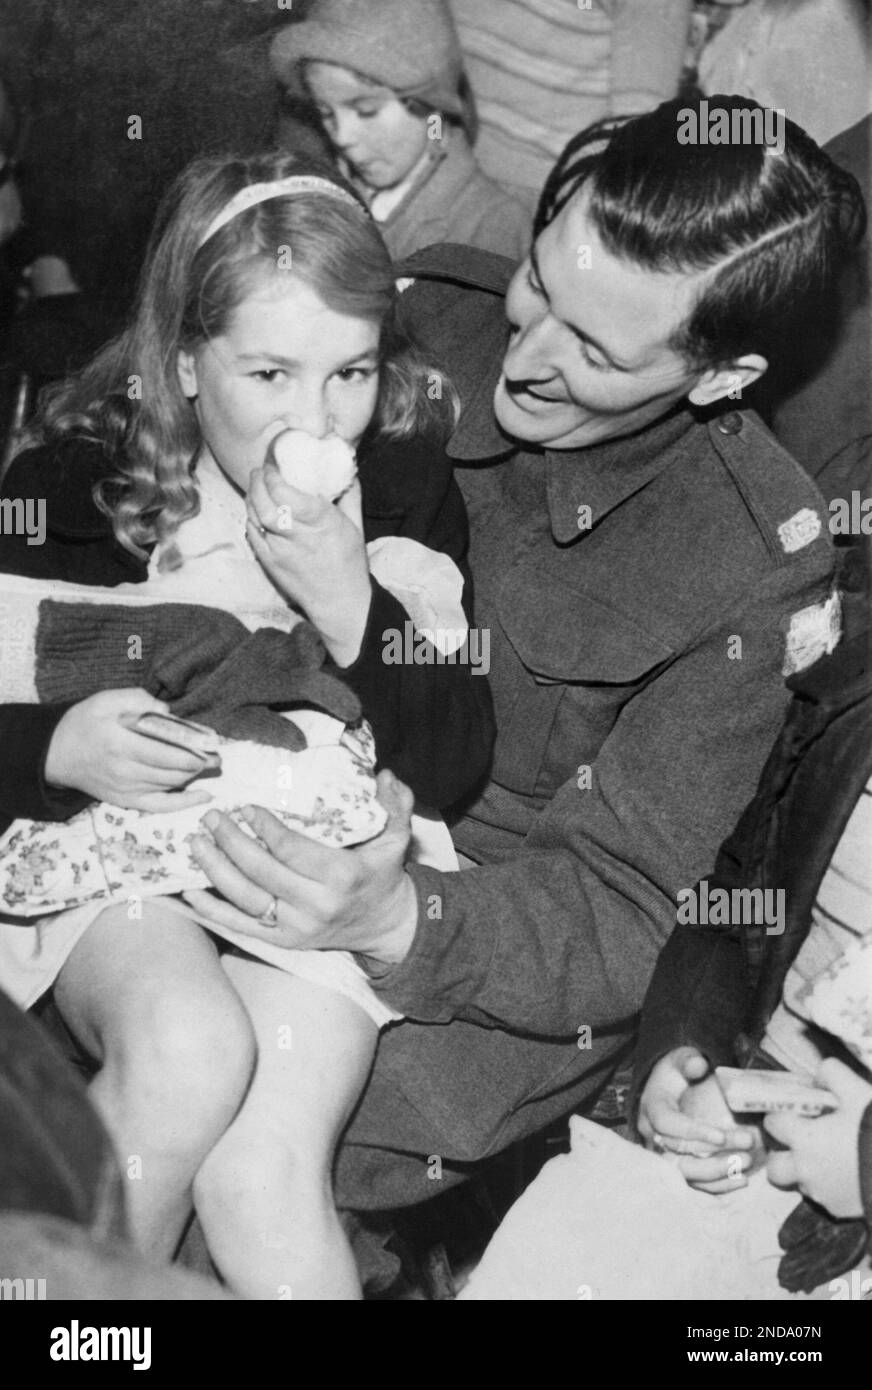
129	399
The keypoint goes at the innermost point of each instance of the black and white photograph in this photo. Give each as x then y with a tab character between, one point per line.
435	667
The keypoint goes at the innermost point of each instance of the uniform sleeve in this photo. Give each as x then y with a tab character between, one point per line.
701	991
698	997
433	721
567	933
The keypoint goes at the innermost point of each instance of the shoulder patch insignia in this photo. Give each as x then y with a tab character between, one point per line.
814	632
799	530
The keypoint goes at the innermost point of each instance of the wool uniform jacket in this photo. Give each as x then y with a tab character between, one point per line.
638	653
433	723
637	665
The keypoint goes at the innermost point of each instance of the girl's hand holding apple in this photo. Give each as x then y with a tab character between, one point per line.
315	554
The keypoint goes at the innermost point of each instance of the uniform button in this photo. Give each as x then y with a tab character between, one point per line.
730	424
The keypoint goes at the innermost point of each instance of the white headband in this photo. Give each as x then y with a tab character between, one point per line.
261	192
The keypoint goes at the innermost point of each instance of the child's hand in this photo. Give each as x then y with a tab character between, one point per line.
95	750
315	555
822	1157
682	1115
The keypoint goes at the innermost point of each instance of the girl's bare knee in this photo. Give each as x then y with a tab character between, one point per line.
195	1060
242	1167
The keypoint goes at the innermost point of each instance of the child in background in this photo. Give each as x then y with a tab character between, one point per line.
169	432
387	79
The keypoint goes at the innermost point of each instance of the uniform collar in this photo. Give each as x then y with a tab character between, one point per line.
603	476
600	477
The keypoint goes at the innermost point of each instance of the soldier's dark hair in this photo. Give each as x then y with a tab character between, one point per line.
776	228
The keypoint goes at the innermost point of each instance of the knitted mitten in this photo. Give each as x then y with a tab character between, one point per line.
202	661
265	672
82	648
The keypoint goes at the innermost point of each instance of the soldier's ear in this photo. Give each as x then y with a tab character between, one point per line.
730	381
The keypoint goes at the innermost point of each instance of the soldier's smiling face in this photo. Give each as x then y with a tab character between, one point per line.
590	354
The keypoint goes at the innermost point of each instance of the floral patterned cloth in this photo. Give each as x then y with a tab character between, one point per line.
840	1000
55	879
109	854
829	984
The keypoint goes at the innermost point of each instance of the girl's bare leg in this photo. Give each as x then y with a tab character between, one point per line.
264	1194
149	1001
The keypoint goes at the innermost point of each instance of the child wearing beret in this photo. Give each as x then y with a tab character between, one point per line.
388	81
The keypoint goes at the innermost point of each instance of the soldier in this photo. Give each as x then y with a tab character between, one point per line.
650	564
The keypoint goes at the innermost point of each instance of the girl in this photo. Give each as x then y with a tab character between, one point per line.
387	79
266	304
